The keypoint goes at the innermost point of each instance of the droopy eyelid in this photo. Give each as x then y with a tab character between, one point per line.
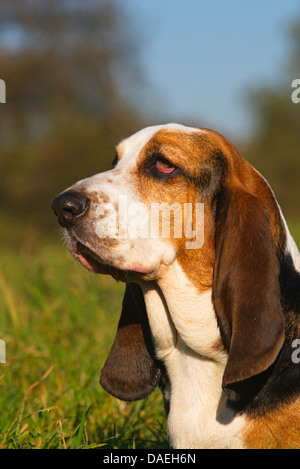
159	157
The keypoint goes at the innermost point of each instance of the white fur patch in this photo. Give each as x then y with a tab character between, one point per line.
135	143
184	329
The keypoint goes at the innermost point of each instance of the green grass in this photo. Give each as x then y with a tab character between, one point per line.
58	323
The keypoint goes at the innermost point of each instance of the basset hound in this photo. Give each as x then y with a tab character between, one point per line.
215	326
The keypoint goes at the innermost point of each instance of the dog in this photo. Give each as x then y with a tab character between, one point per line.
214	323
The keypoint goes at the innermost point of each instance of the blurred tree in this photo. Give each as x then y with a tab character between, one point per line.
67	67
275	146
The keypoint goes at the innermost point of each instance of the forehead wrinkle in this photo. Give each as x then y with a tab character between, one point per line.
131	148
177	154
184	148
184	140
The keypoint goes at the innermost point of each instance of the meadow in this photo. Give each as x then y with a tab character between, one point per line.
58	322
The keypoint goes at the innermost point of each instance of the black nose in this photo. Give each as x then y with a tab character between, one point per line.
70	207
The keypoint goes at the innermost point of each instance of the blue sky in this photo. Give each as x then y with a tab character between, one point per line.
200	57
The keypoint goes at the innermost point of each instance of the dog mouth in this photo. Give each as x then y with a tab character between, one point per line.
89	259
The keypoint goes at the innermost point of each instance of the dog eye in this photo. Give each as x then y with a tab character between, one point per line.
164	167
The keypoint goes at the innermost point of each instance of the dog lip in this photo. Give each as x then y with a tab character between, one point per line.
142	270
87	257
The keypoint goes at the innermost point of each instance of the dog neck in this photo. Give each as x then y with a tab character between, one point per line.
185	334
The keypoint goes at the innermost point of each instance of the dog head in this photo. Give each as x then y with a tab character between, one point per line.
185	194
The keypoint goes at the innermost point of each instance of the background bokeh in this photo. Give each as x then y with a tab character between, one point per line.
81	76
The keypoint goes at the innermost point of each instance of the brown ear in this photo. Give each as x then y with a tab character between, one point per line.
130	373
246	292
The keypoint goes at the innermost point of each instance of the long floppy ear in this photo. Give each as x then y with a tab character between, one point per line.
130	373
246	291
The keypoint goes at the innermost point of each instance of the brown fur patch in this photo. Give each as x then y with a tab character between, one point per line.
218	346
187	151
195	154
99	197
279	429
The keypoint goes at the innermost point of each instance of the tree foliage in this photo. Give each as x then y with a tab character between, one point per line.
275	145
67	67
